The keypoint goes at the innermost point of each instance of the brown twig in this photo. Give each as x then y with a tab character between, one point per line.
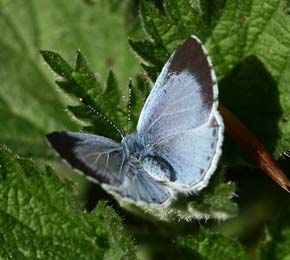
253	148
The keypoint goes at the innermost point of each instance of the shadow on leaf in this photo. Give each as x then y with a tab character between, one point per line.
251	94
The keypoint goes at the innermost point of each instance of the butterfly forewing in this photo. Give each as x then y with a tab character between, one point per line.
183	95
104	161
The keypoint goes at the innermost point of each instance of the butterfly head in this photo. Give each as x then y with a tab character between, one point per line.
134	145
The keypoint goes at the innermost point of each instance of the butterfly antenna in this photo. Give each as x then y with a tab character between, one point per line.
129	102
92	109
285	155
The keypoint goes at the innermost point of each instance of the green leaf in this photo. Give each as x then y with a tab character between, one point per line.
32	103
112	90
166	31
99	103
110	99
208	245
57	63
84	77
103	109
39	218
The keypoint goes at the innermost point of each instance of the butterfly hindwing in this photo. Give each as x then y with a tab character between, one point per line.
103	160
192	157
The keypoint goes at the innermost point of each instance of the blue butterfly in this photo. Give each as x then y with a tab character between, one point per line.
178	140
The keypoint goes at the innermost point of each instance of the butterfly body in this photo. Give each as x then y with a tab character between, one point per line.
134	145
177	143
136	150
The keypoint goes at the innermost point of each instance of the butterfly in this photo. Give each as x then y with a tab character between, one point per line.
177	143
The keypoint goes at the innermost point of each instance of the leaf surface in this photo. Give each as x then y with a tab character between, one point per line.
40	219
